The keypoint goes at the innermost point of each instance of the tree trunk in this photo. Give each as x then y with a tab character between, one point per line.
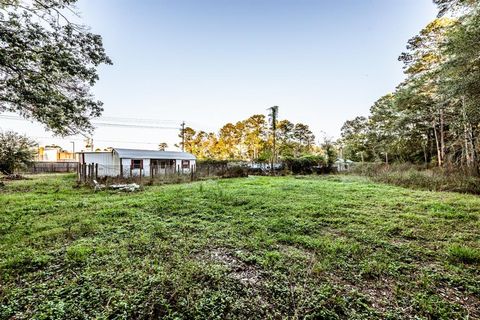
437	143
442	135
474	157
466	142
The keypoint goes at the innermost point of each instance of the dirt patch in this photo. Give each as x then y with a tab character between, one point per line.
470	302
380	293
245	273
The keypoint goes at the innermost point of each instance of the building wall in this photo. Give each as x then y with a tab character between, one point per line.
126	163
107	166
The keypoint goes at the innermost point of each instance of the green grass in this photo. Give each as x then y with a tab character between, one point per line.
336	247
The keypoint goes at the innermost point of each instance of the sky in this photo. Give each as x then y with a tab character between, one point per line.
210	62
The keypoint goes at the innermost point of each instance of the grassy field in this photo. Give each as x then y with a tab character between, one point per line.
254	248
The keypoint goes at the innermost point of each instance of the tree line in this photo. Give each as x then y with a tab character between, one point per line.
433	117
250	140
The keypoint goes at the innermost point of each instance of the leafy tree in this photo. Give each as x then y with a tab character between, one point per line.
445	6
188	139
16	151
286	138
355	134
461	84
255	135
304	138
48	65
228	142
162	146
330	152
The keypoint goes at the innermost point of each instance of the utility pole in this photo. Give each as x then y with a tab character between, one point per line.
273	119
183	136
73	149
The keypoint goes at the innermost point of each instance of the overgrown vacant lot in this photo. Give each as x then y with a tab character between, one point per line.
259	247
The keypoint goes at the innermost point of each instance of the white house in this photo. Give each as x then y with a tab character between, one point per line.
133	162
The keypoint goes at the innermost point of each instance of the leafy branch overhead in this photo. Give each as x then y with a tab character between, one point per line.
48	65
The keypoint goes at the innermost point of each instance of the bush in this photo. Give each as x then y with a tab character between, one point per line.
16	152
306	164
235	172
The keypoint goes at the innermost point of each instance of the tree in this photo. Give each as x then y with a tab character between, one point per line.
445	6
255	135
16	151
162	146
422	63
330	152
304	138
286	144
461	84
48	65
355	139
229	139
434	115
188	143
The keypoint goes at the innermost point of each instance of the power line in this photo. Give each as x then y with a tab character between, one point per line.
135	123
122	125
99	140
107	124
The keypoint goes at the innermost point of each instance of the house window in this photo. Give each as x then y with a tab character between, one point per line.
185	164
162	164
137	164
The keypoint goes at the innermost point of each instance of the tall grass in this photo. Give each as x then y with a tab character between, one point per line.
416	176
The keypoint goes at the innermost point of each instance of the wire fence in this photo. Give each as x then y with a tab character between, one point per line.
154	174
52	167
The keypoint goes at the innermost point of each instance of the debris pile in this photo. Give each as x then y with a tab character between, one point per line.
125	187
129	187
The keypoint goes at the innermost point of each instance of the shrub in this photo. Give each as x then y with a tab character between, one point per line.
306	164
16	152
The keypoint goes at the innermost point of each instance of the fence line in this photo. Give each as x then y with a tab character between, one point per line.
87	173
52	167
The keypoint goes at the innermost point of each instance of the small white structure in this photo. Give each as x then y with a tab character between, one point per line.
343	164
132	162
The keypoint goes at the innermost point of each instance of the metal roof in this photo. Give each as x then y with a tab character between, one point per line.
153	154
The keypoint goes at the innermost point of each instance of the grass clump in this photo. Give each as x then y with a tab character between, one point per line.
464	254
420	177
78	253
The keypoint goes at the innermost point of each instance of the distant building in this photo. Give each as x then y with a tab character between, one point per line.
54	154
133	162
343	164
